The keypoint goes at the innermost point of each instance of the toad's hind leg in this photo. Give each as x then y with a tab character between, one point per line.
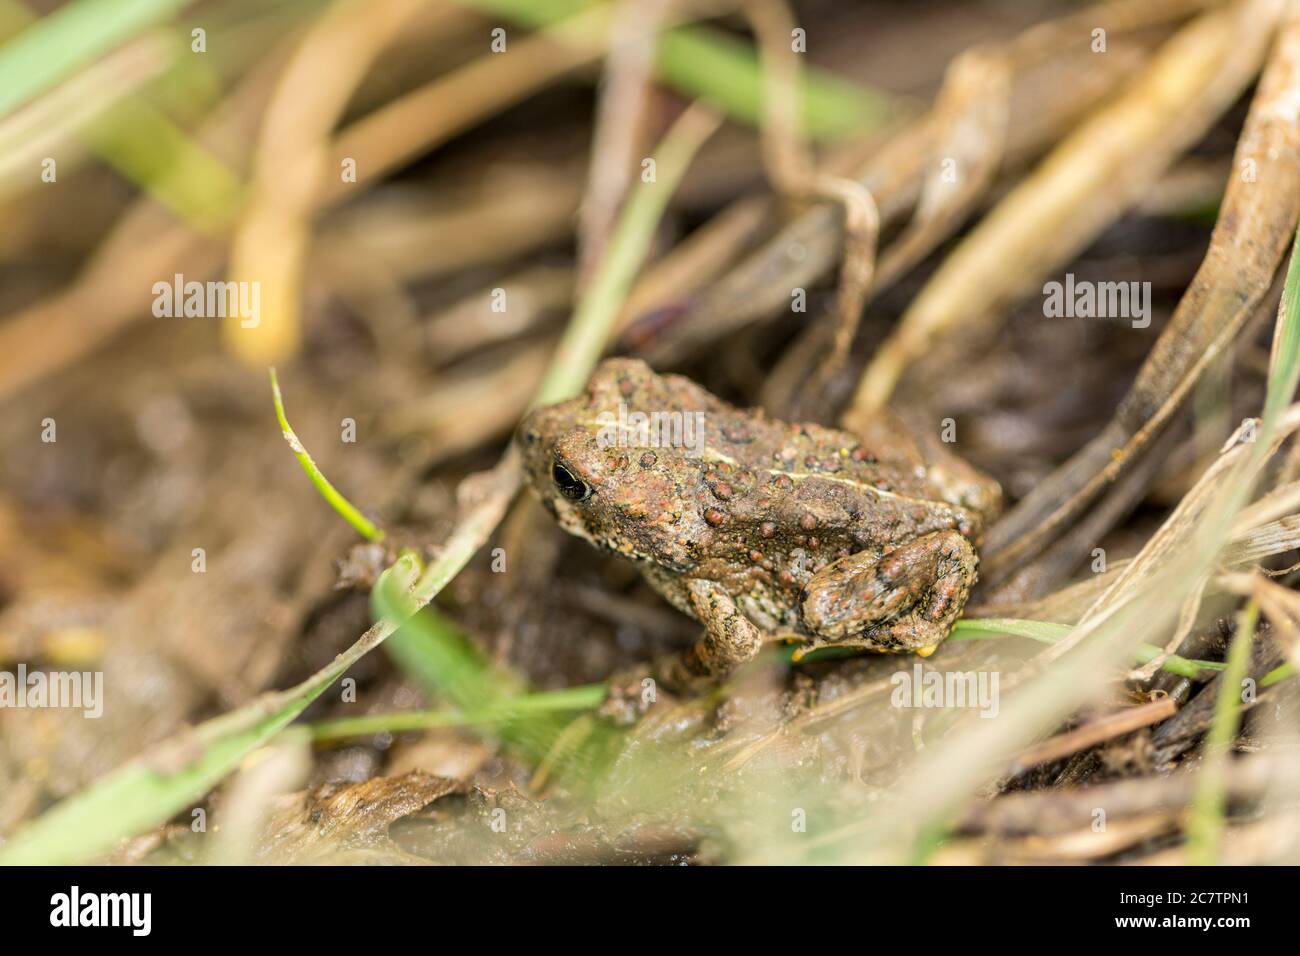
905	601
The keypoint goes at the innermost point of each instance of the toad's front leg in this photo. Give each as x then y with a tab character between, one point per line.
730	639
906	601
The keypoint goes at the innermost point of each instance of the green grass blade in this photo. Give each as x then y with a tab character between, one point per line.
584	697
1284	370
450	666
1210	802
724	71
142	794
345	508
154	153
974	628
437	655
587	333
148	792
56	46
1205	825
1046	632
1276	675
142	142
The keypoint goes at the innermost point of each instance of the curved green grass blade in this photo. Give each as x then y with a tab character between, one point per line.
346	509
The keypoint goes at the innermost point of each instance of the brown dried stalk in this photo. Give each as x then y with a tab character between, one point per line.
1093	733
1253	232
791	167
805	251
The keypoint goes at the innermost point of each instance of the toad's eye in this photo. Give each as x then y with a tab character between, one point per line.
570	485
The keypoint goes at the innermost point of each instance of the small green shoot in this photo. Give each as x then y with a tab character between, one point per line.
345	508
